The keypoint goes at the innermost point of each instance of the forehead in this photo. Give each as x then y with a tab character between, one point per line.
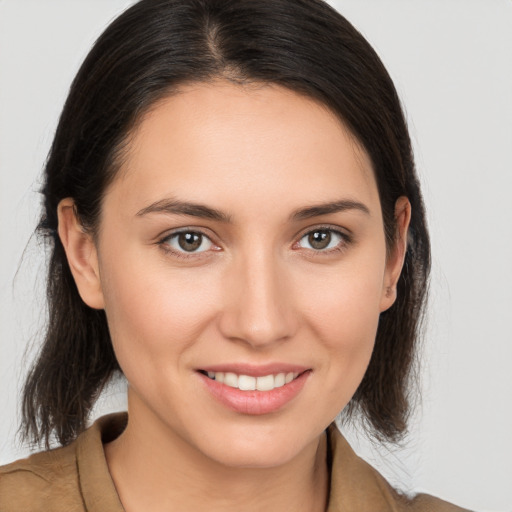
220	141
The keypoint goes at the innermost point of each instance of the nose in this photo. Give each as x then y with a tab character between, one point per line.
258	304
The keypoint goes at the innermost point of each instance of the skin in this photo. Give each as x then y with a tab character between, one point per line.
257	292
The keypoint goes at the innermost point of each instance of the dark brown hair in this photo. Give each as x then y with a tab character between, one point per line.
148	52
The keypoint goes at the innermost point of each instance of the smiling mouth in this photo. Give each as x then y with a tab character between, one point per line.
251	383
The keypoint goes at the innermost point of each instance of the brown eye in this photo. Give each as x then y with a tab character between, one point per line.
321	239
189	241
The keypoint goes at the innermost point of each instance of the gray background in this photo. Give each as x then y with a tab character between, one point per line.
452	64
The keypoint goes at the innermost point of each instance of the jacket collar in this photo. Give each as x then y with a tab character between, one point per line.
355	485
96	484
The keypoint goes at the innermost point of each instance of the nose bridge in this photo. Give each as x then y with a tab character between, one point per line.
258	308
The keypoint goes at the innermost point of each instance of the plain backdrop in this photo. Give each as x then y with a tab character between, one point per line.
451	61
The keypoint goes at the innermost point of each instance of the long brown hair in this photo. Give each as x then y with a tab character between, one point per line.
145	54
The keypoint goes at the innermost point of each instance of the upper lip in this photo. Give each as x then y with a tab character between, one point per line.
255	370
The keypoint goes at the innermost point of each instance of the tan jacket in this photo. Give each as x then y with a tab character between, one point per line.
76	479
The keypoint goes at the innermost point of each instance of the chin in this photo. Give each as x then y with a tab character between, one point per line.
258	445
256	456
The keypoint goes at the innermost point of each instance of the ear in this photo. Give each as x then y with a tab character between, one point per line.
396	256
81	254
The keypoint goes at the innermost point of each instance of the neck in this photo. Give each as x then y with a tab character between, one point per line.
153	469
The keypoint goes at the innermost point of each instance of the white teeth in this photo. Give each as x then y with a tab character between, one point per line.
279	380
246	383
249	383
231	379
265	383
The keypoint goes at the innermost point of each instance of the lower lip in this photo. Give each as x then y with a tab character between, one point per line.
255	402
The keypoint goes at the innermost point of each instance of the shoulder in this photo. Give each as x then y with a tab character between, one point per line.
427	503
414	503
356	485
74	478
43	481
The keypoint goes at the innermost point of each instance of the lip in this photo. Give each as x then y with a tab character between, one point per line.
255	402
255	370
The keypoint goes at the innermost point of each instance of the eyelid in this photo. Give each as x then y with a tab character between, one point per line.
343	233
164	239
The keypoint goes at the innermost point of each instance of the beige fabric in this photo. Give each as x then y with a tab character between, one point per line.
76	479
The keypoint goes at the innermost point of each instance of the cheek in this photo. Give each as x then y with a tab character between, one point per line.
344	301
154	314
343	315
348	324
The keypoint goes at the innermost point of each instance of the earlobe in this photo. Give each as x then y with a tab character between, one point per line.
396	256
81	254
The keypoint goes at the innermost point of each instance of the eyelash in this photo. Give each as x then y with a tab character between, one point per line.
345	241
164	243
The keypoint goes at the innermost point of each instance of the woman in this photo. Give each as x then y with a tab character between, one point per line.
237	227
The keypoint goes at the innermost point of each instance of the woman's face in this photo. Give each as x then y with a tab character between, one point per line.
242	245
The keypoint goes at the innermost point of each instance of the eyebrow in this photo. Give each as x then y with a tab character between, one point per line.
177	207
326	208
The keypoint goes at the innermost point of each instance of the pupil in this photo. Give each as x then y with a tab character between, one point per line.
189	241
320	239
